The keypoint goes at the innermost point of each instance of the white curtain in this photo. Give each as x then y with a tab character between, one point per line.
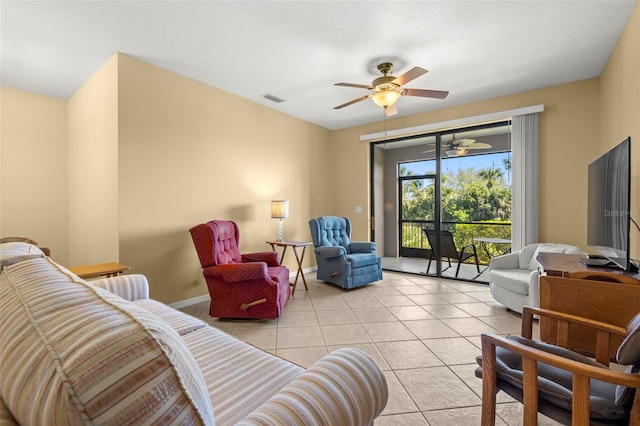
524	168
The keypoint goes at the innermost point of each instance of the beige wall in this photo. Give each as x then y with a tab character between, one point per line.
569	135
150	154
92	122
33	169
620	109
189	153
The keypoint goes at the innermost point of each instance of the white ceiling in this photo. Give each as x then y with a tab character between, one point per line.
297	50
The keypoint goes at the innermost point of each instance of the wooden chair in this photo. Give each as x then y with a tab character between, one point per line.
560	383
449	250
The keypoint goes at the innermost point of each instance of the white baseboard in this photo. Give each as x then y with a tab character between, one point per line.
206	298
188	302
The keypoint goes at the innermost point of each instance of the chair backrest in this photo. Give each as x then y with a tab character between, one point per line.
629	354
629	351
330	231
45	250
447	244
217	242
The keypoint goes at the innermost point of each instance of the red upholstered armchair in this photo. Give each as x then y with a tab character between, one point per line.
252	285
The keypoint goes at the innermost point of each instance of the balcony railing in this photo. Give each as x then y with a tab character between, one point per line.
416	244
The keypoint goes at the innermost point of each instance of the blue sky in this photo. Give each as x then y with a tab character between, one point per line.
452	164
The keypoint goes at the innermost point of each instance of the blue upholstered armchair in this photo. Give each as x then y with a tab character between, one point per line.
342	262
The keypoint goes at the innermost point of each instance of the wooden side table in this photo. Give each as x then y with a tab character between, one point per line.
110	269
299	257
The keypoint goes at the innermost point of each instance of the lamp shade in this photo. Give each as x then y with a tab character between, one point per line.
385	98
279	209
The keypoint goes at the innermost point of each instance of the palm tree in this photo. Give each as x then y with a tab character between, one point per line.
507	163
507	166
490	176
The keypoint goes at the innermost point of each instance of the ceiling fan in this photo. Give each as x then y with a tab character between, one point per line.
460	147
386	90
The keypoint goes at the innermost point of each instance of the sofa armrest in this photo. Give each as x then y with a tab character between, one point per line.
345	387
268	257
130	287
362	247
534	288
238	272
330	251
506	261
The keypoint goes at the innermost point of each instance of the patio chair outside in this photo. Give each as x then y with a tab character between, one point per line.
449	250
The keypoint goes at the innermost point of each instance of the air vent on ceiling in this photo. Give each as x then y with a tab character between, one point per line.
273	98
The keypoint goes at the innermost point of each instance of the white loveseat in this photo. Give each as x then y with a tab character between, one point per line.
102	352
514	277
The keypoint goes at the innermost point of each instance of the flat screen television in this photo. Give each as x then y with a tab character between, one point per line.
609	206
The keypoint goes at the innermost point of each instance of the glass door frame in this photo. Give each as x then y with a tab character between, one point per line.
437	203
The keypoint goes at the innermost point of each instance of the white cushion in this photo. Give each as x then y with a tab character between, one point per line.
514	280
528	254
543	248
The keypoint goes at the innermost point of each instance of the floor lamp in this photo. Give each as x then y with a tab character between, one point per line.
280	210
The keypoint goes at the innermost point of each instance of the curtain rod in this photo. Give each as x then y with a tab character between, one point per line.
458	122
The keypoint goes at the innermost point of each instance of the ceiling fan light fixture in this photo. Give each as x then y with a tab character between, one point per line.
385	98
457	152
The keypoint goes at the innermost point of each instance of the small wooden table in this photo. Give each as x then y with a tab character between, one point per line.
299	257
110	269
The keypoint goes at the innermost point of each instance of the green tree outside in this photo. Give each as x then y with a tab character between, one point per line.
468	195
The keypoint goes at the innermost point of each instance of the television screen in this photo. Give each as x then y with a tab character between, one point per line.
609	204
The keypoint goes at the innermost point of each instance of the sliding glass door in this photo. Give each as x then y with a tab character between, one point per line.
443	196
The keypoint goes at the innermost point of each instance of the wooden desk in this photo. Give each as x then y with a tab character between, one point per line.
299	258
610	302
110	269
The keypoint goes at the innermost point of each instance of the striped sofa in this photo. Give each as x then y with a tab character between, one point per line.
102	352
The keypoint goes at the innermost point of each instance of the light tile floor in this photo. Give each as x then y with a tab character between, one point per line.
423	332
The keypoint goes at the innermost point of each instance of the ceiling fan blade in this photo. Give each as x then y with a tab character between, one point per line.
463	142
478	145
429	150
359	86
352	102
438	94
391	110
412	74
